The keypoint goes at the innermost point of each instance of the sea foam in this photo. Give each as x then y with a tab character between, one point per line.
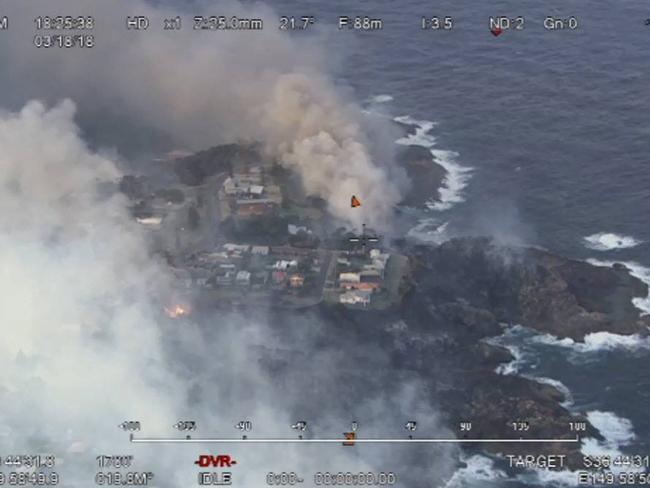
477	468
597	341
607	241
421	136
456	175
638	271
454	182
616	431
523	357
429	231
381	98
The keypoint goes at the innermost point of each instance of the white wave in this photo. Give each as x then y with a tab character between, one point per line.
607	241
477	468
616	431
399	326
408	120
561	387
456	176
520	359
513	367
638	271
381	98
455	181
596	341
421	136
429	231
547	477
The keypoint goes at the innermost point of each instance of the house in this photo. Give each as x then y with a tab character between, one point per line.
356	297
371	276
243	184
212	257
199	276
349	277
254	206
379	260
230	247
283	264
261	250
154	221
279	277
256	190
296	229
343	262
252	177
365	286
183	277
296	280
231	186
367	280
225	278
259	280
243	278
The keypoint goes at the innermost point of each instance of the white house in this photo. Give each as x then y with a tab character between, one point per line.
350	277
282	264
230	247
356	297
262	250
243	278
256	190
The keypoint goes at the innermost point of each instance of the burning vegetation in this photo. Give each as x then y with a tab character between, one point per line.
177	311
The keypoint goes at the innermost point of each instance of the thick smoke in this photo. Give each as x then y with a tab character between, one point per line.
199	88
323	140
86	346
79	346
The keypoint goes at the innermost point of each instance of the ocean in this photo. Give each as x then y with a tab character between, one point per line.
547	138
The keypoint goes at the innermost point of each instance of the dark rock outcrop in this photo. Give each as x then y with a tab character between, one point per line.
464	289
195	169
424	173
533	288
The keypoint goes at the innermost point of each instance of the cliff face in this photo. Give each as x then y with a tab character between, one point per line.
533	288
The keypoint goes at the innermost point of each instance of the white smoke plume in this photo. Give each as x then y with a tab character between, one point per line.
85	345
201	88
79	345
322	138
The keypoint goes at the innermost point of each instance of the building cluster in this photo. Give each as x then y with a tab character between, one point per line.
360	276
152	210
248	267
247	194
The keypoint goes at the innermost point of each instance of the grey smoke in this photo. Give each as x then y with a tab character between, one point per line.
199	88
86	345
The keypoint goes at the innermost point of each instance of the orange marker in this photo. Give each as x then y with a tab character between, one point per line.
355	202
349	438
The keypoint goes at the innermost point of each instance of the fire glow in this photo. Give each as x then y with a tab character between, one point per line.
177	311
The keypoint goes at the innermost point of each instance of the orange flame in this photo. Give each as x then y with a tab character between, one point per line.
177	311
